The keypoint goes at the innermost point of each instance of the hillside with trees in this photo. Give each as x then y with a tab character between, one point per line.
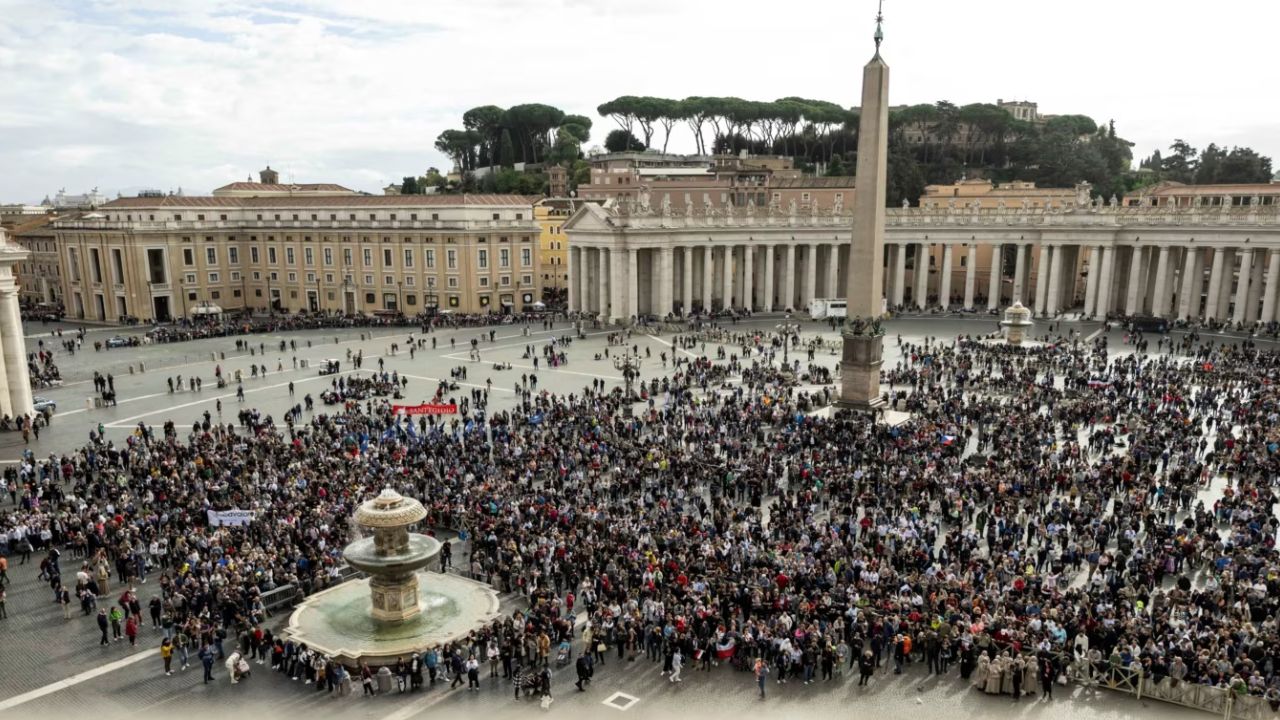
1209	166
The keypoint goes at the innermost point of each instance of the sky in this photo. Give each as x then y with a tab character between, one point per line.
125	95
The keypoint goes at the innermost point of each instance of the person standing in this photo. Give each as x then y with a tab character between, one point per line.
866	667
583	668
166	654
761	670
473	673
64	599
206	659
102	626
115	616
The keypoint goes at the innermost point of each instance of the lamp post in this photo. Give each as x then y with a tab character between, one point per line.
347	291
151	292
629	365
400	296
786	328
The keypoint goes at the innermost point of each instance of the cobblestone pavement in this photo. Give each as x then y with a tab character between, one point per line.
40	652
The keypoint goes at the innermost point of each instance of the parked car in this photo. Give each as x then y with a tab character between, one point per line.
44	405
331	367
118	341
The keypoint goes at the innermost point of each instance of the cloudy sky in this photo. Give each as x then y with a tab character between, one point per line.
133	94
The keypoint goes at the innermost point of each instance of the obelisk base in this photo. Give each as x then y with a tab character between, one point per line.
860	372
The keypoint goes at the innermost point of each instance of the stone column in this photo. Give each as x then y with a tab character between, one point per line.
1242	286
1189	283
1251	313
6	400
686	274
922	276
1215	284
1106	278
832	289
655	284
748	277
727	280
1158	303
1269	294
666	281
1042	278
1054	295
789	279
1134	289
1019	272
575	285
899	275
768	278
708	277
944	280
1224	290
997	274
1091	283
810	289
603	275
970	275
15	355
617	281
633	284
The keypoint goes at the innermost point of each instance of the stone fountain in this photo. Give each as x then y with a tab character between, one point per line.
1016	323
400	608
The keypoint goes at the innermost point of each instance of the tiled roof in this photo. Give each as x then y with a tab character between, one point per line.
281	188
336	201
808	182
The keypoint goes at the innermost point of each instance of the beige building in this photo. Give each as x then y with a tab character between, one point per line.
551	214
39	274
1176	194
720	181
315	248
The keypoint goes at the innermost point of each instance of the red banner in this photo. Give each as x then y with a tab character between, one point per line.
426	409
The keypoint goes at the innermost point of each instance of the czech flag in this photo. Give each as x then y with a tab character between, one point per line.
948	439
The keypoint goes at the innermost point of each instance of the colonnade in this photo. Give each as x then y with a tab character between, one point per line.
1233	283
621	283
15	377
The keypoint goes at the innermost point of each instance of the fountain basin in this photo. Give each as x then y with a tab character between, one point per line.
340	621
363	555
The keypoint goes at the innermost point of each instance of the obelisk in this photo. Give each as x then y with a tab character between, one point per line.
863	338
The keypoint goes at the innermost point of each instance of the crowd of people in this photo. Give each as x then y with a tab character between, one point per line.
1043	509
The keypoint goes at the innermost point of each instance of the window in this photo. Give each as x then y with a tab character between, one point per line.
435	216
369	298
213	278
804	197
368	257
346	257
188	257
293	277
484	282
235	276
74	261
526	257
271	254
506	280
308	256
496	216
408	258
117	265
253	254
288	256
410	281
453	283
431	282
410	299
482	259
328	277
191	278
368	279
504	257
451	260
386	257
211	256
526	279
233	255
430	258
328	257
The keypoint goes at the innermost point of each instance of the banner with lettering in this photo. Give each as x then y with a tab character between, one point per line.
426	409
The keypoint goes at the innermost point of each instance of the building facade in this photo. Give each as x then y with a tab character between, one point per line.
39	275
1203	263
260	248
553	244
1175	194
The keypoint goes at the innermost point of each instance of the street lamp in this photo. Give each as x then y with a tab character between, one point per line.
151	291
629	365
400	296
786	328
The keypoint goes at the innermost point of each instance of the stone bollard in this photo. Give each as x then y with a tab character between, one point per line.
141	368
223	355
130	369
213	357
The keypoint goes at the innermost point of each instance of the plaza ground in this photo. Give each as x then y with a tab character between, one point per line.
50	667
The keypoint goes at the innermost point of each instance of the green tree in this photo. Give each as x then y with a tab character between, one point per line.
486	121
506	153
1182	162
622	141
836	167
410	186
